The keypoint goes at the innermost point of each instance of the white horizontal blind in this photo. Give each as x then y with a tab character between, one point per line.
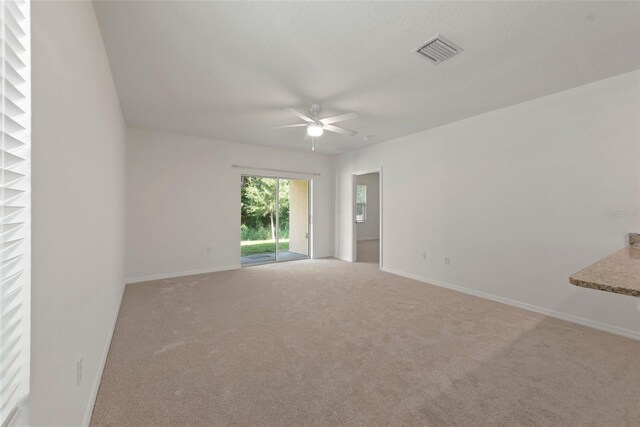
15	128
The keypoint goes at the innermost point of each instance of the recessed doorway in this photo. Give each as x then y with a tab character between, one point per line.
274	223
367	209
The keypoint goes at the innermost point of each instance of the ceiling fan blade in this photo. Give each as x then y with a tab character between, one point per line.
289	126
340	118
336	129
302	116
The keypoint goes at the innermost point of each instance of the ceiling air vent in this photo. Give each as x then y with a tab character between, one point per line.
438	49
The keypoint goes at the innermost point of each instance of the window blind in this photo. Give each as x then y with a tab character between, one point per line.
15	125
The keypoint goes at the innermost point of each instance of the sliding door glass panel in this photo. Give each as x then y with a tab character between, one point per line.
274	222
293	219
258	224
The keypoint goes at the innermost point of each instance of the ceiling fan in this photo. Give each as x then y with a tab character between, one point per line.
316	126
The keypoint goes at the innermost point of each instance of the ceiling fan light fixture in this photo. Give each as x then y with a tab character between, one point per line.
315	130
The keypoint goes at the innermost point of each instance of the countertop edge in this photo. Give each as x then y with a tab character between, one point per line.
603	287
619	273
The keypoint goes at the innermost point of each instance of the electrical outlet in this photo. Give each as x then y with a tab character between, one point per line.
424	256
79	371
209	249
447	261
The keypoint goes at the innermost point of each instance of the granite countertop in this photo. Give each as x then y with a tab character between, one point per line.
618	273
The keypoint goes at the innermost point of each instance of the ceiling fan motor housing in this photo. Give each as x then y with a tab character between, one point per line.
315	109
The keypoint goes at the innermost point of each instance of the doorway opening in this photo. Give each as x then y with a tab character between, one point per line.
274	224
367	224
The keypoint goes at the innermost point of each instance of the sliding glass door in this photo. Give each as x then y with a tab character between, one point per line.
293	220
274	222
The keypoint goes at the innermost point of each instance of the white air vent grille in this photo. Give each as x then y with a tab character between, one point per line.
438	49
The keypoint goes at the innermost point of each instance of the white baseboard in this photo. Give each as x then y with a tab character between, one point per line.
88	412
628	333
367	239
180	274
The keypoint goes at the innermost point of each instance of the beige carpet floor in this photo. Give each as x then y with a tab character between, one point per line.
368	251
325	342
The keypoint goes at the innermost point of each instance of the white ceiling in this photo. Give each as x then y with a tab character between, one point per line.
227	70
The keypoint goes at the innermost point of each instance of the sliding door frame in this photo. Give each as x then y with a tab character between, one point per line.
277	254
277	223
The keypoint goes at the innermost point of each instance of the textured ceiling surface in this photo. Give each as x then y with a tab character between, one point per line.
227	70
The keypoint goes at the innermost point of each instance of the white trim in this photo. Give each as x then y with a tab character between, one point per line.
354	222
381	215
88	412
180	274
311	220
276	253
368	239
628	333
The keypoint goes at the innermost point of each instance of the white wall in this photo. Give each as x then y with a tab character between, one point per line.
517	198
184	196
78	210
371	228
